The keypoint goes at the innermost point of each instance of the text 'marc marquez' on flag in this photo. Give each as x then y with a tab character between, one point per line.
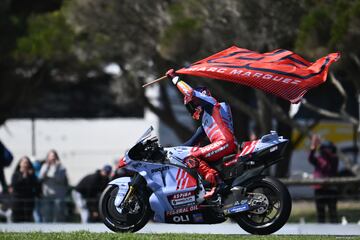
280	72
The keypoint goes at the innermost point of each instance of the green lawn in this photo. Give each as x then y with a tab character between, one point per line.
113	236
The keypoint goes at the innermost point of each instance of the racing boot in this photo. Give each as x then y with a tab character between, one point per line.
210	175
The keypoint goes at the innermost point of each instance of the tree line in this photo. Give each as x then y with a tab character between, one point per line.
53	55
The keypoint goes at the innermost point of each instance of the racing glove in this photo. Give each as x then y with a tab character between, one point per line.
172	76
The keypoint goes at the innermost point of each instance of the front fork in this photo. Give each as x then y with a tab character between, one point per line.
135	181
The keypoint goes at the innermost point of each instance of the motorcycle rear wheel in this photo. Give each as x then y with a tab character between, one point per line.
132	219
278	210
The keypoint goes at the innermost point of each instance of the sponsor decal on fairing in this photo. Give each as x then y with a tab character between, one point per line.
182	210
181	218
241	208
185	198
182	195
183	201
160	169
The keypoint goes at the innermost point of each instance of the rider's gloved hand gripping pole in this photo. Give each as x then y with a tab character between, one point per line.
183	87
169	74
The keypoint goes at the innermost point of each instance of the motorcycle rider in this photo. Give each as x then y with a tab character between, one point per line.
216	124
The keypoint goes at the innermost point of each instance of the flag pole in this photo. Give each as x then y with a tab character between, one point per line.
155	81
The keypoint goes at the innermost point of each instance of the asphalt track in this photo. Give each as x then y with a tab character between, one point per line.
224	228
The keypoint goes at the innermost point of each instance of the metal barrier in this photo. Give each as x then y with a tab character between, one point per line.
321	181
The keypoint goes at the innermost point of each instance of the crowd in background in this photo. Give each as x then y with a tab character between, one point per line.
39	191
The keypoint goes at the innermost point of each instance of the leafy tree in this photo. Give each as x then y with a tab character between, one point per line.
66	45
333	26
165	34
18	82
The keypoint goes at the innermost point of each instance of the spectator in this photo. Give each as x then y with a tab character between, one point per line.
87	193
24	189
37	210
326	165
5	160
54	189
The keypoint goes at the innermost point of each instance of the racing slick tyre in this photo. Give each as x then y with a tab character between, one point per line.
270	219
129	218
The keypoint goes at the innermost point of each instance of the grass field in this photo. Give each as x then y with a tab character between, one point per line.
113	236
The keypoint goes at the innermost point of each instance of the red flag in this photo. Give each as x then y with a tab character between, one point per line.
280	72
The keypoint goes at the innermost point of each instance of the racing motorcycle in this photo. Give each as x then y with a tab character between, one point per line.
161	186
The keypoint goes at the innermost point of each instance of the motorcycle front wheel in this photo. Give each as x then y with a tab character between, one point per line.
129	218
278	208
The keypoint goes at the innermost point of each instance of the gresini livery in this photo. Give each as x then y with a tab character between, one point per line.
163	187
